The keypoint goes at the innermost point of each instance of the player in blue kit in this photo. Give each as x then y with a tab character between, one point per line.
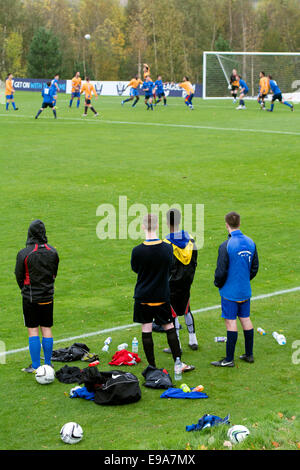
55	87
148	87
276	92
48	98
159	91
243	92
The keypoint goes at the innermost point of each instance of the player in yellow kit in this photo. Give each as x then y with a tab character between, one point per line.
134	93
76	87
146	71
264	87
89	90
188	87
9	92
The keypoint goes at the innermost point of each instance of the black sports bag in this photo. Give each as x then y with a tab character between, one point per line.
113	387
157	378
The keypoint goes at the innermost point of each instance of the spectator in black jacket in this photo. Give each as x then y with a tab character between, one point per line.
36	270
152	261
182	275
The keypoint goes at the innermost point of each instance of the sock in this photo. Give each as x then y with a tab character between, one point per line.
242	103
177	325
230	345
35	351
187	103
54	112
288	104
272	106
71	102
134	103
47	344
14	105
173	343
78	103
148	348
249	335
39	112
165	101
7	104
189	321
85	109
234	95
125	101
93	109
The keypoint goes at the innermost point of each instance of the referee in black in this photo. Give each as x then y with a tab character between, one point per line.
36	270
152	261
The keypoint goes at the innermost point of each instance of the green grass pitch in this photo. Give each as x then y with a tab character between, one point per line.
61	171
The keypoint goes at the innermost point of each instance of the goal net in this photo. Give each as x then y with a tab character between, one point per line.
283	67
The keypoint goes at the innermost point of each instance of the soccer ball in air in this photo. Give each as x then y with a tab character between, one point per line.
44	375
71	433
238	433
87	36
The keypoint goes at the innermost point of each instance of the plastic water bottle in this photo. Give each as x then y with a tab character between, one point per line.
220	339
279	338
135	345
261	331
178	369
106	344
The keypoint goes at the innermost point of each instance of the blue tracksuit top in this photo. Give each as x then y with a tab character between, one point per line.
237	264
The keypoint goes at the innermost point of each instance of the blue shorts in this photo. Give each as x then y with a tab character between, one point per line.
245	92
9	97
134	92
189	97
148	96
231	309
76	94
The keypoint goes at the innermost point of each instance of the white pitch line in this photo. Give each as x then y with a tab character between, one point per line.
133	325
161	124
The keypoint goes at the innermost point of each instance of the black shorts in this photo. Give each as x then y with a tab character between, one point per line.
147	96
180	303
47	105
37	314
160	95
144	313
262	95
278	97
87	101
234	87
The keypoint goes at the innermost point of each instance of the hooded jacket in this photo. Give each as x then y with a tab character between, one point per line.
184	260
36	265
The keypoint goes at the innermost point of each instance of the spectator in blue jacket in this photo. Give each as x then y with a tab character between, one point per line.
237	265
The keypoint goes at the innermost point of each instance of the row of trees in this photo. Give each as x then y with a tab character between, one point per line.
42	37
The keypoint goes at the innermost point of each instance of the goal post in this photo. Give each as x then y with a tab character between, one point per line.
218	65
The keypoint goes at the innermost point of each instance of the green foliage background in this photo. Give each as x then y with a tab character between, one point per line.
170	35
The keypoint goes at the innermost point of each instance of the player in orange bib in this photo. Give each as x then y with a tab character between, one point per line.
89	90
264	87
189	89
9	92
76	86
134	93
